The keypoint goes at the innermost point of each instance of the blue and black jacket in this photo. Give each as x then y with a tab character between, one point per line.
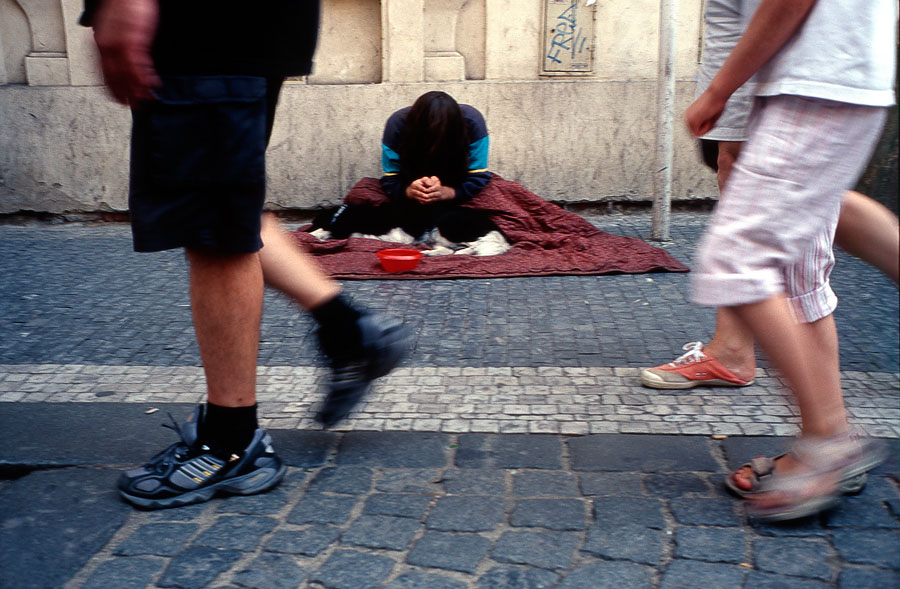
478	175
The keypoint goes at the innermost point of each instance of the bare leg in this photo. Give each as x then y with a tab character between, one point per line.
361	346
732	344
728	154
287	268
807	355
226	302
868	230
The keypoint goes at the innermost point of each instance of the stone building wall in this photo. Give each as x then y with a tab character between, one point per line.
568	88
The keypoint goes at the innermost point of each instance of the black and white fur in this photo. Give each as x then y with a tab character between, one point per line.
459	230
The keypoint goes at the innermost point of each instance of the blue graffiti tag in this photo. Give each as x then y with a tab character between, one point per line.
568	37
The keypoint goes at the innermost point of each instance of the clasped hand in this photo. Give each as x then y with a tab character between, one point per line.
429	189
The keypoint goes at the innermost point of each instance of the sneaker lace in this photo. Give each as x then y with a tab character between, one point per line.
173	426
177	451
693	354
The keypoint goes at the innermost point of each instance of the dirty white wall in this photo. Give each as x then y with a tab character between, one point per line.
583	134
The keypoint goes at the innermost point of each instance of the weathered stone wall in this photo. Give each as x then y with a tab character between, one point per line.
69	148
583	134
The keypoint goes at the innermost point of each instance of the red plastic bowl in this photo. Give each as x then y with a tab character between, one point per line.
399	259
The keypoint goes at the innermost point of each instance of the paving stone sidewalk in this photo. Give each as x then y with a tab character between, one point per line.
544	399
428	510
515	448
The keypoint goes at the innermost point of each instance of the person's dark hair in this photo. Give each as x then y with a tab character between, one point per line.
434	140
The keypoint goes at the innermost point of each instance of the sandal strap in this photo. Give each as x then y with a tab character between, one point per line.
834	454
799	488
762	465
849	455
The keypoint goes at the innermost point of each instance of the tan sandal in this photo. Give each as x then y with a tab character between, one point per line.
763	466
831	466
804	495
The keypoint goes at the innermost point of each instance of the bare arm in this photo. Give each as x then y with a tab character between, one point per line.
773	24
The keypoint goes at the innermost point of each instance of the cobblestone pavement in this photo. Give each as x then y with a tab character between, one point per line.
515	448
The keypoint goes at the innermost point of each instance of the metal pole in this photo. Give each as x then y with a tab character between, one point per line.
665	120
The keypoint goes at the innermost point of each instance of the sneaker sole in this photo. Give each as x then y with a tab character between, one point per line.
876	454
258	481
655	382
854	485
805	509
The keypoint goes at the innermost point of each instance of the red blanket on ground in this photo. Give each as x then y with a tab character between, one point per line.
546	240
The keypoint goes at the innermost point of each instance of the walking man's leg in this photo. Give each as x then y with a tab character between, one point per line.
360	346
226	303
288	269
222	449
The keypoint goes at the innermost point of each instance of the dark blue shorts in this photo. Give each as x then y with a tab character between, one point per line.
198	166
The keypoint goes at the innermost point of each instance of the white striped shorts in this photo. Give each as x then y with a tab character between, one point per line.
773	229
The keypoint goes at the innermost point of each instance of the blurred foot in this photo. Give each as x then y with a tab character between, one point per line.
385	342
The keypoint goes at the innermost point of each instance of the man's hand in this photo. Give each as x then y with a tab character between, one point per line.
429	189
701	116
124	31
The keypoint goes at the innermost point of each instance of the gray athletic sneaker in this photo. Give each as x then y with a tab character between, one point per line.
385	343
187	472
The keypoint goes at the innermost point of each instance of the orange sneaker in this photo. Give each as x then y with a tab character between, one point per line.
691	369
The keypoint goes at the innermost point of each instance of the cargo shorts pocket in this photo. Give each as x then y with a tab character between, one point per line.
205	131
